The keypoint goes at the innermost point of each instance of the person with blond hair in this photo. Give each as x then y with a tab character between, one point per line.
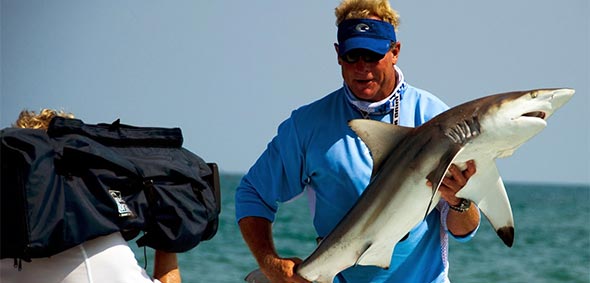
31	120
315	151
104	259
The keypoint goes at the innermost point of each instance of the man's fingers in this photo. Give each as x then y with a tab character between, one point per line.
449	182
458	178
296	278
457	175
470	171
296	260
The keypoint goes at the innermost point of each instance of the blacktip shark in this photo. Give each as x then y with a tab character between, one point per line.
404	159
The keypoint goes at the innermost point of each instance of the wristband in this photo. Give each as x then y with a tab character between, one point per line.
463	206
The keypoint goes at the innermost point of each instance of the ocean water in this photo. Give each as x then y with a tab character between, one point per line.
552	240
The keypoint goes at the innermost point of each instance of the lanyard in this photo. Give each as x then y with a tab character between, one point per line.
394	103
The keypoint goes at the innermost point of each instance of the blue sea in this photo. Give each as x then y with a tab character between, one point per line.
552	240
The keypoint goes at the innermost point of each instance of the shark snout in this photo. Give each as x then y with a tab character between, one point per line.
550	100
561	96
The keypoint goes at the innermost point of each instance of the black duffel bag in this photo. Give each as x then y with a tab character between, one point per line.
77	182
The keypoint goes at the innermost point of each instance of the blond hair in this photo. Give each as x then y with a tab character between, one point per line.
31	120
362	9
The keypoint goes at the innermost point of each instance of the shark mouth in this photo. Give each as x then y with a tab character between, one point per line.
535	114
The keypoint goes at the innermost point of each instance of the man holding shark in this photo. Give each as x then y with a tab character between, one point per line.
316	150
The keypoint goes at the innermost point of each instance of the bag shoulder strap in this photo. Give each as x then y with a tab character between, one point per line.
117	134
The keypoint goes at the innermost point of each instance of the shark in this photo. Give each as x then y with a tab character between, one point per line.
405	159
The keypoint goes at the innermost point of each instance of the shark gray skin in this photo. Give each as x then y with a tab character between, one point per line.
398	197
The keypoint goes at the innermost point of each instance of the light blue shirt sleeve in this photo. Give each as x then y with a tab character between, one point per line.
274	178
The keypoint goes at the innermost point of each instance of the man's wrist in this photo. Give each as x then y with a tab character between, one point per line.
463	206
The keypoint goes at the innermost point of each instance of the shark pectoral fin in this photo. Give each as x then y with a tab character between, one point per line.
379	137
436	176
377	254
445	161
487	190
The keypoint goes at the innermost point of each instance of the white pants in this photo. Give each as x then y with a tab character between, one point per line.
104	259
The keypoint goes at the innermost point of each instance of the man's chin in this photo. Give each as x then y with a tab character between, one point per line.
367	94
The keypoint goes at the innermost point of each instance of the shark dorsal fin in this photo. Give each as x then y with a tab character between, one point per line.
379	137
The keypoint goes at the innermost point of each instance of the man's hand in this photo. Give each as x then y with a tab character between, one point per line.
282	270
458	223
257	233
451	185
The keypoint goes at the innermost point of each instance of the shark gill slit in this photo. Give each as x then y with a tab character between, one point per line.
464	131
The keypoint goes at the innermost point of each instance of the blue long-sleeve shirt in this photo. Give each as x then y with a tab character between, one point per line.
315	149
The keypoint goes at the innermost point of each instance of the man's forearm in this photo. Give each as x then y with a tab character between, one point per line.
257	233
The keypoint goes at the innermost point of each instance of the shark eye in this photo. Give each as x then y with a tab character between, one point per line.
534	94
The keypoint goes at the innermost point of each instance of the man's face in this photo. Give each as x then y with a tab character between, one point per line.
370	81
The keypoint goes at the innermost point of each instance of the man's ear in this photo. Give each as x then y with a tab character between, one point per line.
395	51
337	48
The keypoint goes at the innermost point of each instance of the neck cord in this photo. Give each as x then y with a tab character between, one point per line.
394	103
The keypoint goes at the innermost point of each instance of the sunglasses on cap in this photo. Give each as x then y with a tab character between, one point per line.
355	55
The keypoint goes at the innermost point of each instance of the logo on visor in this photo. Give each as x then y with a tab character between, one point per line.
362	27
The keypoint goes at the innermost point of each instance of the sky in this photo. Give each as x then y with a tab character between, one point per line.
227	72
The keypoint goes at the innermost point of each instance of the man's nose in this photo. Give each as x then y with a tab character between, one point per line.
361	65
